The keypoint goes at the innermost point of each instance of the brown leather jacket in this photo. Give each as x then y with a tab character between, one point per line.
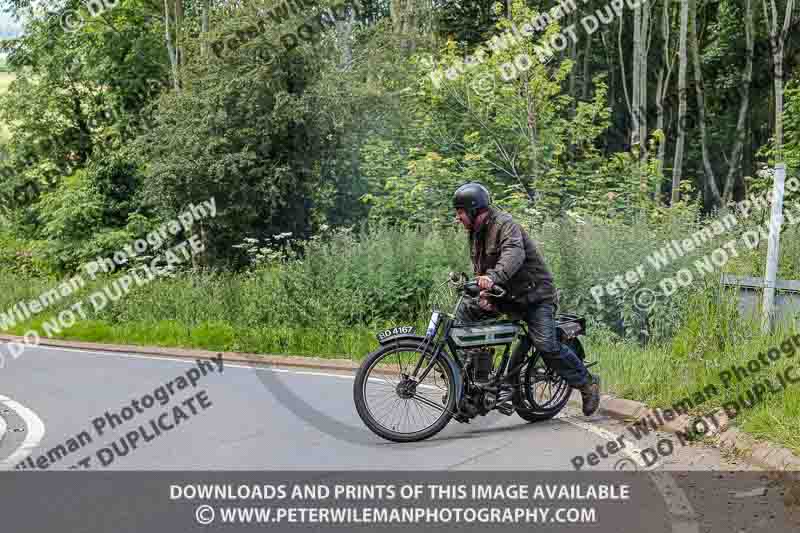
502	250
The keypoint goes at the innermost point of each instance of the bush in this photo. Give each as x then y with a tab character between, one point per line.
340	281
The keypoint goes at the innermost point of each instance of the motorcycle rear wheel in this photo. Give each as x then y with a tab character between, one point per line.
543	393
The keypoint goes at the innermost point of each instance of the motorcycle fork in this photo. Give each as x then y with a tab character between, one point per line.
436	351
453	362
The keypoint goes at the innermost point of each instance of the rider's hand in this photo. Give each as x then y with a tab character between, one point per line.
485	282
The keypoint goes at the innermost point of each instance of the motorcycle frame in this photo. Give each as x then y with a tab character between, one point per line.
517	357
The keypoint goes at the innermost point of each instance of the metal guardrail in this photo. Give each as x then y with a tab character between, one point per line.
787	296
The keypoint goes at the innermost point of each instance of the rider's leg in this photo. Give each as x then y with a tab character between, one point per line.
561	358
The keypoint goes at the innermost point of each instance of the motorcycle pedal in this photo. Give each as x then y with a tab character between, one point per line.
506	408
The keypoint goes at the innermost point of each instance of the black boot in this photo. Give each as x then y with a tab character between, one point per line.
590	394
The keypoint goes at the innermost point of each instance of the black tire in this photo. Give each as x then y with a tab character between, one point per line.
534	408
442	369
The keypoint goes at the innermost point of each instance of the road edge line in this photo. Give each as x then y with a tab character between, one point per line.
33	437
763	454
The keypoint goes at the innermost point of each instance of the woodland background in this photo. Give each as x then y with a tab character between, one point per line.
333	165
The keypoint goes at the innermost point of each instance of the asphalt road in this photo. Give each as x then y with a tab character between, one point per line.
59	406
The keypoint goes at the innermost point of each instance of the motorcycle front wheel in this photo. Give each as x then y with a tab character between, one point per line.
392	404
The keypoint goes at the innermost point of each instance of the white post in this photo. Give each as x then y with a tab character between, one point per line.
770	275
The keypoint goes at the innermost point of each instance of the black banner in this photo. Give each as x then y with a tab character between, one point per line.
102	502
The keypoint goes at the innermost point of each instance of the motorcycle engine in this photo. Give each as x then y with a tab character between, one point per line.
478	402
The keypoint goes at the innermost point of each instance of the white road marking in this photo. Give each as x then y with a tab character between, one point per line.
188	361
752	493
32	438
683	514
677	502
631	451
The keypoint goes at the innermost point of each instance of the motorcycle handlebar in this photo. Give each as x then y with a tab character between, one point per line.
471	289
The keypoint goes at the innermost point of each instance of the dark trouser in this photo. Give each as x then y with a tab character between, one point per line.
542	331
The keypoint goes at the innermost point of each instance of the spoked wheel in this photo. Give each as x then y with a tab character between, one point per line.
544	393
393	404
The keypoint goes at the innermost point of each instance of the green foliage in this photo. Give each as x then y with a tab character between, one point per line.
791	125
333	163
342	280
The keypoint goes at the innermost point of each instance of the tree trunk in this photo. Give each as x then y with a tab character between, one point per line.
587	65
711	181
678	163
663	143
664	75
636	86
622	67
344	33
171	51
644	52
777	39
404	22
178	29
612	83
573	56
747	77
204	27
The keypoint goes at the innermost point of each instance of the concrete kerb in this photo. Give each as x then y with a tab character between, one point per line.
762	454
301	361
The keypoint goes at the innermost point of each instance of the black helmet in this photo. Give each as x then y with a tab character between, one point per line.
471	197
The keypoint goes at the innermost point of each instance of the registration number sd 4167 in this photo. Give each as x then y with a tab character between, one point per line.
399	330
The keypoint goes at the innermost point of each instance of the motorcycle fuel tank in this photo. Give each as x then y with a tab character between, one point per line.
466	336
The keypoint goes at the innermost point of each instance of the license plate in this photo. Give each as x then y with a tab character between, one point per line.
389	333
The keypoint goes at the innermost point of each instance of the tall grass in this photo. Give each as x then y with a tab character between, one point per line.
331	299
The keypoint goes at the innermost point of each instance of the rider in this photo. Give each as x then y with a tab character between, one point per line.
503	253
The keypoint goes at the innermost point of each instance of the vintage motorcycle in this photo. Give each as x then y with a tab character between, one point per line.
411	386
